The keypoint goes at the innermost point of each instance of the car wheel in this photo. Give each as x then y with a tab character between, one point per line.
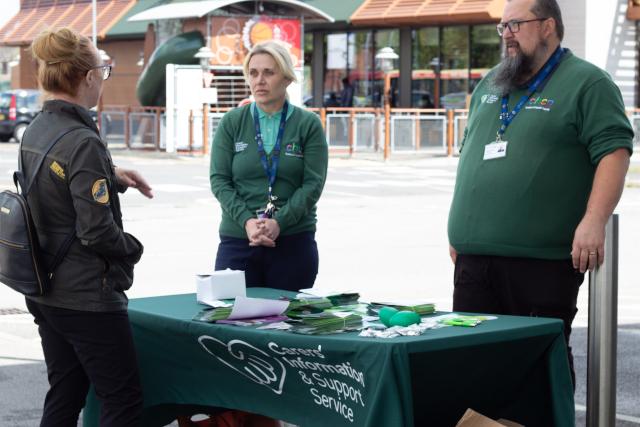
18	131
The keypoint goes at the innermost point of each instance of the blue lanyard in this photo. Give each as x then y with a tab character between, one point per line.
275	157
542	75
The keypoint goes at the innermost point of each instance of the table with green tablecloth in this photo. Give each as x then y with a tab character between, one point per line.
512	367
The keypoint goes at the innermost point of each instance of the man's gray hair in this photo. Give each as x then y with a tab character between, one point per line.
549	9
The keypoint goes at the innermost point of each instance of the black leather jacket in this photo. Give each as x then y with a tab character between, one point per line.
76	188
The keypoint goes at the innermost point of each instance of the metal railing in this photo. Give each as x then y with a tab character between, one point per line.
385	131
132	127
603	334
348	130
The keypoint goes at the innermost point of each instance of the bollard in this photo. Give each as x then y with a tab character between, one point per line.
603	334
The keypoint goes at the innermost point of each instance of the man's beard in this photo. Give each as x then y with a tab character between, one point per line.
513	71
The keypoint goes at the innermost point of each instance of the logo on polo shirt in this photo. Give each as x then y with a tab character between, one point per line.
293	149
489	98
240	146
540	103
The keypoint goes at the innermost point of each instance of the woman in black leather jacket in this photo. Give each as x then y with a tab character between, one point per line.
82	320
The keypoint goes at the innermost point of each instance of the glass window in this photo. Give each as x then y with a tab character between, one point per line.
454	70
485	52
425	60
357	91
336	68
307	88
5	100
386	67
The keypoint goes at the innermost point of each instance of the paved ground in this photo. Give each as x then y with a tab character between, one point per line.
382	230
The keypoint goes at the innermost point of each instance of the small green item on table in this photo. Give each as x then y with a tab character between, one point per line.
389	316
405	318
386	313
467	321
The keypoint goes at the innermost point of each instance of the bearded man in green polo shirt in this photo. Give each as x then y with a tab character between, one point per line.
542	167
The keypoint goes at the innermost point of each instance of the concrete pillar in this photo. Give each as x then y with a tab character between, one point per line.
406	45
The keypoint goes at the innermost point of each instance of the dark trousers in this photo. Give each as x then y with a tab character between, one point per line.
87	347
520	287
291	265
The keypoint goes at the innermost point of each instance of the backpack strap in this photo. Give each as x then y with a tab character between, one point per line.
18	178
26	186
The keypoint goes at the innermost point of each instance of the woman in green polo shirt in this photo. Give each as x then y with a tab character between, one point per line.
268	167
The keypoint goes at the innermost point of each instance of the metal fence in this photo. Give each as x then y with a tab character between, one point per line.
418	133
133	127
348	130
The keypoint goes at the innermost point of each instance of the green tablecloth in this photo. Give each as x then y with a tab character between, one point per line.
512	367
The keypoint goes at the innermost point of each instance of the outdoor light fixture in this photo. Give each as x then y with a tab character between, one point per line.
386	53
386	56
435	64
204	54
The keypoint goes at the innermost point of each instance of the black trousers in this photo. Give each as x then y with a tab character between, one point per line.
291	265
520	287
82	348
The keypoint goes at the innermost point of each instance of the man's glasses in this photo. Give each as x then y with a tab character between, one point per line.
106	70
514	26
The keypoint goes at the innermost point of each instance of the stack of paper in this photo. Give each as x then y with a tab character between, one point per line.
244	308
336	297
347	298
327	323
308	301
213	314
420	307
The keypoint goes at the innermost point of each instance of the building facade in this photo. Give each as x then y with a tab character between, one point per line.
433	52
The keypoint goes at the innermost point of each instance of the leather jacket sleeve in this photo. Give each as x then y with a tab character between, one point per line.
93	188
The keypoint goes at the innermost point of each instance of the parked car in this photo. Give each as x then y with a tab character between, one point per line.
18	108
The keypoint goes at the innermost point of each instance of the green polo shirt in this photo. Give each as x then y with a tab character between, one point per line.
529	203
240	183
269	125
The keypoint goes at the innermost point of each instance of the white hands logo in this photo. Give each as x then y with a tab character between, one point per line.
248	360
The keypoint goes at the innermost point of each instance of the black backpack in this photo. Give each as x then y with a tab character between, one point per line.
21	264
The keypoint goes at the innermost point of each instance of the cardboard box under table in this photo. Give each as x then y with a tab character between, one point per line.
512	367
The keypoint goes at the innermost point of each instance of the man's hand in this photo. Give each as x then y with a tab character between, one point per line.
131	178
453	254
588	243
256	233
587	250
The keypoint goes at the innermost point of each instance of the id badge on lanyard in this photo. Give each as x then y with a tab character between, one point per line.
495	150
270	208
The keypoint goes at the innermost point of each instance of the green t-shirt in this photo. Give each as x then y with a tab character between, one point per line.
529	203
240	183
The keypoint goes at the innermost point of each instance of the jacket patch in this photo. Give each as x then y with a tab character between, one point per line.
57	169
100	191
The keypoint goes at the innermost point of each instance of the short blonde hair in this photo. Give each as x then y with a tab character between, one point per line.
64	58
280	55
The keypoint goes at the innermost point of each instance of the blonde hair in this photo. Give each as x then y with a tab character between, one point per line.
64	58
280	55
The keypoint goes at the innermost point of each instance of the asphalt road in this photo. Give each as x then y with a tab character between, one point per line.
381	231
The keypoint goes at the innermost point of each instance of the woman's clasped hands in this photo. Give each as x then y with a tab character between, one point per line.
262	232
